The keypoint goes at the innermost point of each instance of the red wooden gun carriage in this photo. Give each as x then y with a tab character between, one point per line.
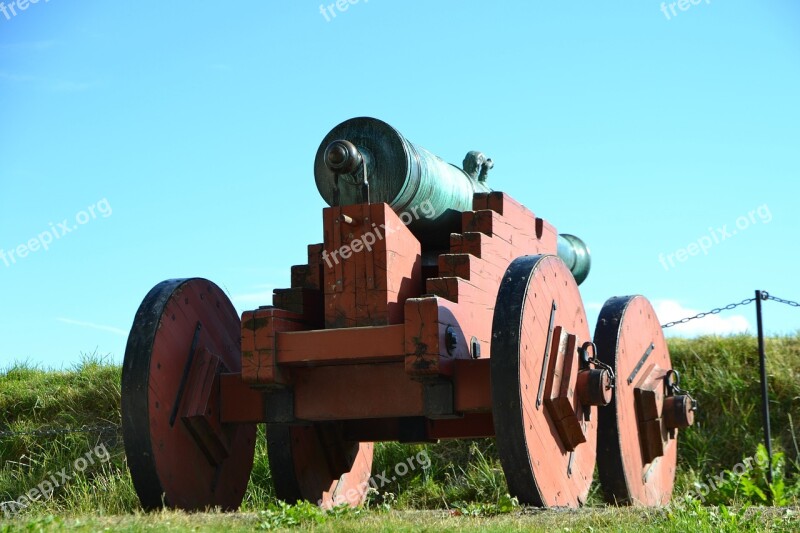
434	309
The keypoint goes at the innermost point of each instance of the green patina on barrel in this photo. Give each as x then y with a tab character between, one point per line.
406	176
412	180
575	254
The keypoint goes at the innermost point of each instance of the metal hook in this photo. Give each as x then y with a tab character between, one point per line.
587	359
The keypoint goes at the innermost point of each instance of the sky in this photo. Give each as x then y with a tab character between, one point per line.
146	141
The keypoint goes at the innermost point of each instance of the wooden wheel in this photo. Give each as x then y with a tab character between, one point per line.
316	464
186	332
545	434
637	450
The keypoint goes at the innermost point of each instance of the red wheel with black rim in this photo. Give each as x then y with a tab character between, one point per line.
185	334
637	443
545	435
316	464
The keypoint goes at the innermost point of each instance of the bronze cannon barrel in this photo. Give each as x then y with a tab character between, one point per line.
366	160
404	175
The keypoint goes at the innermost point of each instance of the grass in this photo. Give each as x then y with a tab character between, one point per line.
723	374
464	487
711	520
89	394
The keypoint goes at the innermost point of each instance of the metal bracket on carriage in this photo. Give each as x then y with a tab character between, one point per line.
559	397
595	385
661	410
198	405
679	406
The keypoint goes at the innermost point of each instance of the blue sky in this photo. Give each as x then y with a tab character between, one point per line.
178	139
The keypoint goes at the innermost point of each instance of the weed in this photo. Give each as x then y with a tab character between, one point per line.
281	515
504	504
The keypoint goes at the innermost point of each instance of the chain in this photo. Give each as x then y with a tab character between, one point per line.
50	432
673	379
712	312
764	296
592	359
781	300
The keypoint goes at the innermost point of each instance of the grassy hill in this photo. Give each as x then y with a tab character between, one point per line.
464	478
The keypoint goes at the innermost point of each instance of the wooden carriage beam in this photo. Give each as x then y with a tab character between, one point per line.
357	392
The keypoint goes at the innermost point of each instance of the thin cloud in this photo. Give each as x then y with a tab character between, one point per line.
56	85
262	296
593	306
29	45
720	324
90	325
70	86
16	78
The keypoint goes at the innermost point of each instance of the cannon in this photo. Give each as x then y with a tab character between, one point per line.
435	308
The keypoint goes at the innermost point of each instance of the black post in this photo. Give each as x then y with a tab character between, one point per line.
764	393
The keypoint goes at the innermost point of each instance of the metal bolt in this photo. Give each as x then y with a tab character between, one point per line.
450	340
476	348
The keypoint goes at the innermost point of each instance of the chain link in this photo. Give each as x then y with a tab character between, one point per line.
50	432
584	351
673	379
781	300
714	311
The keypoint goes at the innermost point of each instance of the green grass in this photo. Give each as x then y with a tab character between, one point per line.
723	374
32	398
464	486
700	519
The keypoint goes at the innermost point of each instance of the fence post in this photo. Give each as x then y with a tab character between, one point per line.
764	393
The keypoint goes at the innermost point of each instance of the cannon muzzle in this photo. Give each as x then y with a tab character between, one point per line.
342	157
366	160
